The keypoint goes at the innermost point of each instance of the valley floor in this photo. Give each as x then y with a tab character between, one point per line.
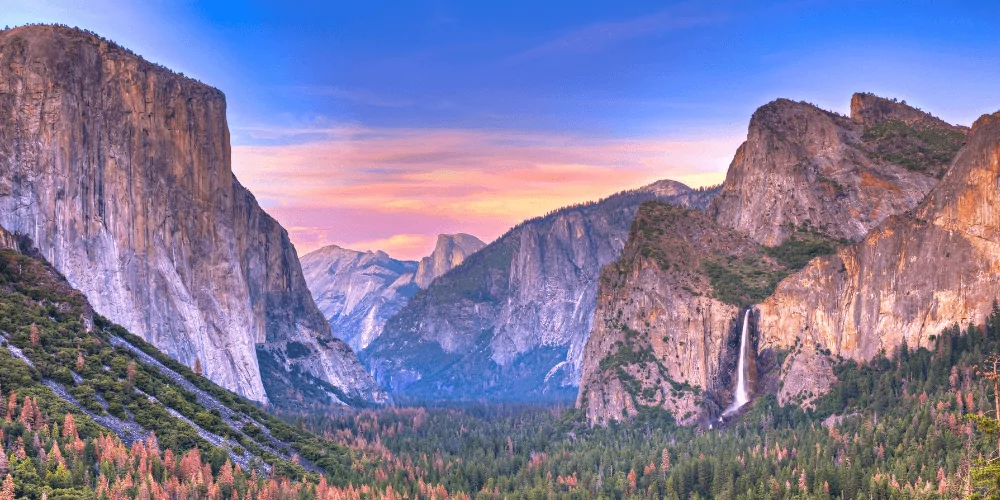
893	428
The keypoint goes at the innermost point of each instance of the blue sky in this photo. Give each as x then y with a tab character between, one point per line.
438	116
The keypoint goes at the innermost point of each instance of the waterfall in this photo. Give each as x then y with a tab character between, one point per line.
740	396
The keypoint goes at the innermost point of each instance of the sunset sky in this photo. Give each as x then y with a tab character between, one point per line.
378	125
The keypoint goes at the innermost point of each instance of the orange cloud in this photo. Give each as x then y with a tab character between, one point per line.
356	186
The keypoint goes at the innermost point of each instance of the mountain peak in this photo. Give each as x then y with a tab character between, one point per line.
460	239
55	42
803	168
450	251
666	187
870	109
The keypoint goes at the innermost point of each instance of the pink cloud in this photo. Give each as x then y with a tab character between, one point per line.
355	186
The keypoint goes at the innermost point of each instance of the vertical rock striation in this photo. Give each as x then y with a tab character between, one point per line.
450	251
119	171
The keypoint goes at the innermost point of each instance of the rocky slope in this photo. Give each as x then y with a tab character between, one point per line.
358	292
512	320
805	168
119	171
665	330
72	361
805	183
912	277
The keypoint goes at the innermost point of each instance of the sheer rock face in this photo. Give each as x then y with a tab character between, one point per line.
660	336
910	278
803	167
511	322
119	171
805	375
800	168
450	251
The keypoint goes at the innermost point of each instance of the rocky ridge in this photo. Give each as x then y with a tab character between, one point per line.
511	321
805	183
119	171
802	167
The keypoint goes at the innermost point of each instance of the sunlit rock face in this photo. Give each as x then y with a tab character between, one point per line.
912	277
805	168
119	171
511	322
662	339
358	292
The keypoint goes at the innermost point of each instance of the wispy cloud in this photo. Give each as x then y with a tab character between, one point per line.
599	36
357	186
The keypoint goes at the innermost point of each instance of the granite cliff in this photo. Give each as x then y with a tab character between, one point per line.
804	185
450	251
119	172
912	277
511	321
803	168
358	292
665	329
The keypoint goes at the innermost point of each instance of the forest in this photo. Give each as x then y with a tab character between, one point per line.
915	423
901	426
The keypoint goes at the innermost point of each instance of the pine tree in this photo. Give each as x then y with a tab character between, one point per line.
34	336
69	428
7	492
986	474
11	406
197	366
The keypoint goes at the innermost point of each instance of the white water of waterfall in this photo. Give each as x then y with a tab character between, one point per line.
740	396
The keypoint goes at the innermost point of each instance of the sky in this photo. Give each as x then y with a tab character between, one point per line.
380	124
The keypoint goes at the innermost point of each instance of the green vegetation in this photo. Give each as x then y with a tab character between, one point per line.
838	188
741	282
893	428
42	317
801	247
917	148
635	355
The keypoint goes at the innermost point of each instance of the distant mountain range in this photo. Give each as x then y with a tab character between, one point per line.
511	321
836	237
358	292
